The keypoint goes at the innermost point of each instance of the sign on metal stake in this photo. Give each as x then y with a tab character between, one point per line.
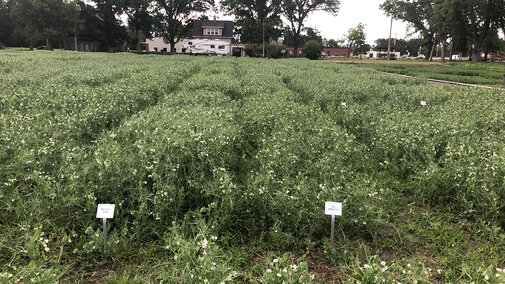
333	209
105	211
104	237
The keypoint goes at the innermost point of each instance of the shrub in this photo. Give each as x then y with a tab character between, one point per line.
252	50
271	50
312	49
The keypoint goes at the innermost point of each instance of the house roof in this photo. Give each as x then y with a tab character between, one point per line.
227	27
383	45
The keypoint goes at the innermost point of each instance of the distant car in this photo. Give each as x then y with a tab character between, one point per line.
421	56
405	56
42	47
324	54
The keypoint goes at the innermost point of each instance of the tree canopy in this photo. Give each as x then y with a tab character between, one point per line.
306	35
255	20
174	17
47	20
467	24
356	40
296	12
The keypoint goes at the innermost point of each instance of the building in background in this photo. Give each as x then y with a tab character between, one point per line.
329	51
158	44
212	38
381	51
208	38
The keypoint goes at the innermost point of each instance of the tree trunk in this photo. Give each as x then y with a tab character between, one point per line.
75	36
48	44
263	36
444	45
430	58
432	48
295	47
137	40
172	44
476	54
451	52
478	40
31	44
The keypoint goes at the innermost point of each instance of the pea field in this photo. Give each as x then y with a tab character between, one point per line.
483	73
220	168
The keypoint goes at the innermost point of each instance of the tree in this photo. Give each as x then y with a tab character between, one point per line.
312	49
114	34
491	44
271	50
462	21
139	18
44	19
332	43
296	12
173	18
335	43
251	31
257	21
306	35
313	34
101	22
416	14
410	46
356	40
5	23
483	17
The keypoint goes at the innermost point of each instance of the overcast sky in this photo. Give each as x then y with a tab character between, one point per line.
353	12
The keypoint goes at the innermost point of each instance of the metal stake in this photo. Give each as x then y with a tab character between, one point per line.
104	237
332	229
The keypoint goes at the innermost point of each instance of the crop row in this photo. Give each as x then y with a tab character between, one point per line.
482	74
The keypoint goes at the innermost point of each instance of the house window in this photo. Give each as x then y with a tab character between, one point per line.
221	47
212	46
212	32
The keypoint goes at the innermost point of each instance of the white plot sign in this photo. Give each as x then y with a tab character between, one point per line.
105	211
333	208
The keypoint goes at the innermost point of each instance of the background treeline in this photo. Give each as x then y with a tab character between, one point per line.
459	26
465	26
116	22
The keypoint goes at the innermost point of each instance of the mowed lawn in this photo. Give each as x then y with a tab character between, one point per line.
219	169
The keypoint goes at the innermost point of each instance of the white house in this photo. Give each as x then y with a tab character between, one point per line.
374	54
208	38
158	44
381	51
